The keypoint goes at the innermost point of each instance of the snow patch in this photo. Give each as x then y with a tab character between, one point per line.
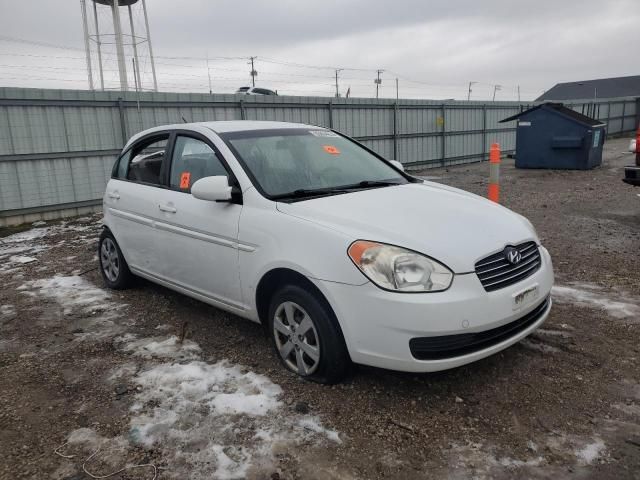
312	424
220	388
77	296
160	348
22	259
538	346
26	236
110	453
70	292
127	371
629	409
478	461
553	333
7	310
588	295
216	420
590	452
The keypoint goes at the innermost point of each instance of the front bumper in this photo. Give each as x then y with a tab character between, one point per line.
378	325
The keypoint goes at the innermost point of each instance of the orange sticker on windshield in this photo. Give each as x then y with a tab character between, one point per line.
185	180
331	149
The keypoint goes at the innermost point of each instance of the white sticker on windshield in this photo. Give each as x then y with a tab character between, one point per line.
323	133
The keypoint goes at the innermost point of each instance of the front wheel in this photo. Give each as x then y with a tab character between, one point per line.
113	267
306	336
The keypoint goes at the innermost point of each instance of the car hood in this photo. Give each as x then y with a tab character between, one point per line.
450	225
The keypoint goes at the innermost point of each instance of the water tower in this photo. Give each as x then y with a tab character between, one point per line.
118	58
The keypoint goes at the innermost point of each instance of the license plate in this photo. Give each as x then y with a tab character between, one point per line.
525	297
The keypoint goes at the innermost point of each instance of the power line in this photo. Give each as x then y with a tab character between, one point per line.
7	38
208	70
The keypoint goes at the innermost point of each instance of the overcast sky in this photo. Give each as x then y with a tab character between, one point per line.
434	48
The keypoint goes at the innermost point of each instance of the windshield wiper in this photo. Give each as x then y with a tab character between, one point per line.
308	192
316	192
377	183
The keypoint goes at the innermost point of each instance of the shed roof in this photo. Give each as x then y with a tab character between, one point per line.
600	88
560	109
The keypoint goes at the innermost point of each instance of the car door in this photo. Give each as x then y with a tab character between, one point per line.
199	237
132	198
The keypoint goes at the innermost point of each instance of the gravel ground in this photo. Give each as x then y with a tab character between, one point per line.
149	377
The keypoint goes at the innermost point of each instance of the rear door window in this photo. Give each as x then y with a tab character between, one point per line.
192	160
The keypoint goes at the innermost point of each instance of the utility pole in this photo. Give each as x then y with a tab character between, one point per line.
469	91
495	89
83	6
518	93
397	94
134	42
209	74
122	67
337	90
99	44
378	82
153	64
254	74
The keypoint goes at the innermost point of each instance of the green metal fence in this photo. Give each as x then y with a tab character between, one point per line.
57	146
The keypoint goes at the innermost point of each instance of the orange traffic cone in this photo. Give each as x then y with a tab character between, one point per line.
494	173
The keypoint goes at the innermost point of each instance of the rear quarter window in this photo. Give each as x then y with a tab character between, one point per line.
122	165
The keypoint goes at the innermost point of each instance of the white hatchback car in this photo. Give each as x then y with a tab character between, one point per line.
336	251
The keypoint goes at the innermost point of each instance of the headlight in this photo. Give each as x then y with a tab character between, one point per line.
395	268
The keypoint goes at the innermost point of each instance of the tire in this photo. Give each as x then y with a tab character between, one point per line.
113	267
321	336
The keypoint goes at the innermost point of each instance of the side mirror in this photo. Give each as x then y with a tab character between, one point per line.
213	189
397	164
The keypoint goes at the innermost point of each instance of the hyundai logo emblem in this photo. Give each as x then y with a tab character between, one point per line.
512	255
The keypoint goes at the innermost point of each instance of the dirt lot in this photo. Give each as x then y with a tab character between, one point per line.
85	370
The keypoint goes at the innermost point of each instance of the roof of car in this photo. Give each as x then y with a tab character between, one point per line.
243	125
221	127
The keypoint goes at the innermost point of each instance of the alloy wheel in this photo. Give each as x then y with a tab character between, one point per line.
296	338
109	259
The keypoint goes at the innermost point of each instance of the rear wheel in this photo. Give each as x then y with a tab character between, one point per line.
306	336
113	267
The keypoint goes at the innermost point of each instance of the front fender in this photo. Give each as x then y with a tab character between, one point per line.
278	240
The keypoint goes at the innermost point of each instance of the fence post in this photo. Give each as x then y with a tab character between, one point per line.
484	130
123	122
444	127
330	113
637	113
608	117
395	130
242	113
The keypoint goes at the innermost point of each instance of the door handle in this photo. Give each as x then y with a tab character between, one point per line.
167	208
114	195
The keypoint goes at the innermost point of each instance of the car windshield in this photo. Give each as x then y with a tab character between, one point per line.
305	163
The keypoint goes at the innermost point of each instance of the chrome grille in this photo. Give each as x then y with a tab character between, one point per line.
497	272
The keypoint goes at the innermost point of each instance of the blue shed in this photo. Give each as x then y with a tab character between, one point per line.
551	135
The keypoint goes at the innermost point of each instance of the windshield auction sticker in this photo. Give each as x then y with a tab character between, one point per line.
323	133
331	149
